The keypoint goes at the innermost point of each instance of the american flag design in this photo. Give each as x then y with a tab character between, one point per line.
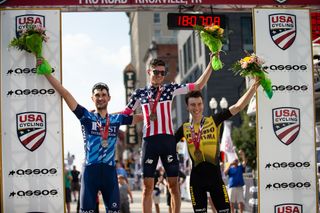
286	123
282	29
31	129
163	123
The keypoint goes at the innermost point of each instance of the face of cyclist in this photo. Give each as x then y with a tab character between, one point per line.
100	98
195	108
157	75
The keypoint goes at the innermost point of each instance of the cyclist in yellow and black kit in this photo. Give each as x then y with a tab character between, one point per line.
202	135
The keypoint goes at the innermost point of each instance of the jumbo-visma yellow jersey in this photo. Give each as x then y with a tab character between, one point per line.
209	142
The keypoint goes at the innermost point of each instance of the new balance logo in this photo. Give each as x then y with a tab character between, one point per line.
149	161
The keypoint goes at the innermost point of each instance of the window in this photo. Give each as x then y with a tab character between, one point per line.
194	46
156	18
189	53
226	41
199	45
185	53
246	27
157	33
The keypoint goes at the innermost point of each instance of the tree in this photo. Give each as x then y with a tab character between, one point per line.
244	137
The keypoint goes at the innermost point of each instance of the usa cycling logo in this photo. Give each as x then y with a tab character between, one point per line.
282	28
31	129
286	123
288	207
29	19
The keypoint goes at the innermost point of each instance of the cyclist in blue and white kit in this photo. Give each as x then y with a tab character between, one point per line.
158	135
99	172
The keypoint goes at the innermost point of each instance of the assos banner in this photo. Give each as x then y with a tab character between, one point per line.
31	112
285	123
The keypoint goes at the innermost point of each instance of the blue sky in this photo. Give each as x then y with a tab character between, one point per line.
95	48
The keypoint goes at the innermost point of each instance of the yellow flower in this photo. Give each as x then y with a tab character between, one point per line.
212	28
220	31
246	59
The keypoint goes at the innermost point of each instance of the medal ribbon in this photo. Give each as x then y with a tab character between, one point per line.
153	106
104	131
196	139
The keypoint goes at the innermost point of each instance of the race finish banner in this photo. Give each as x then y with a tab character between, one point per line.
31	118
286	123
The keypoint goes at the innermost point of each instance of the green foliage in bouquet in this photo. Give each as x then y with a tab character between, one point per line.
252	66
212	37
31	41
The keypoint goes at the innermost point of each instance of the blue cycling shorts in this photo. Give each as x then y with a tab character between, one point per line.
99	177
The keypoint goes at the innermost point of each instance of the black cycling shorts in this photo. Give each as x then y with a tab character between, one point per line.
206	177
163	146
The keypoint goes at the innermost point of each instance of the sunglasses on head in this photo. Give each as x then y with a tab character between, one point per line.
157	72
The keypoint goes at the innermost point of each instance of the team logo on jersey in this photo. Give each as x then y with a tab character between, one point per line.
288	207
286	123
282	28
31	129
28	19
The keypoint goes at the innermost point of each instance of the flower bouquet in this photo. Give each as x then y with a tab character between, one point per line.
212	37
31	40
251	65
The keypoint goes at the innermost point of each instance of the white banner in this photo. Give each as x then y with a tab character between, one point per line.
286	140
226	145
31	125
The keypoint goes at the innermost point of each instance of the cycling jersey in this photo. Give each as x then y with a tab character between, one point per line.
143	96
99	172
210	137
205	174
94	151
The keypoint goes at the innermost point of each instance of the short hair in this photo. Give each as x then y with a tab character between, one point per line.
156	62
100	86
193	94
121	177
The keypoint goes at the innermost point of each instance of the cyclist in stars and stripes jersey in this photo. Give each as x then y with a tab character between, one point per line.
158	135
100	131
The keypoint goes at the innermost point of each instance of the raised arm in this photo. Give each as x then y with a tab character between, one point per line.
137	118
203	79
245	99
66	95
226	169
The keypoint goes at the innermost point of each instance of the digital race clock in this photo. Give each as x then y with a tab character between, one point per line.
186	21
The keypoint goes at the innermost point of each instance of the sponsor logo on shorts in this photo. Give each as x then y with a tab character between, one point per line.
149	161
86	211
